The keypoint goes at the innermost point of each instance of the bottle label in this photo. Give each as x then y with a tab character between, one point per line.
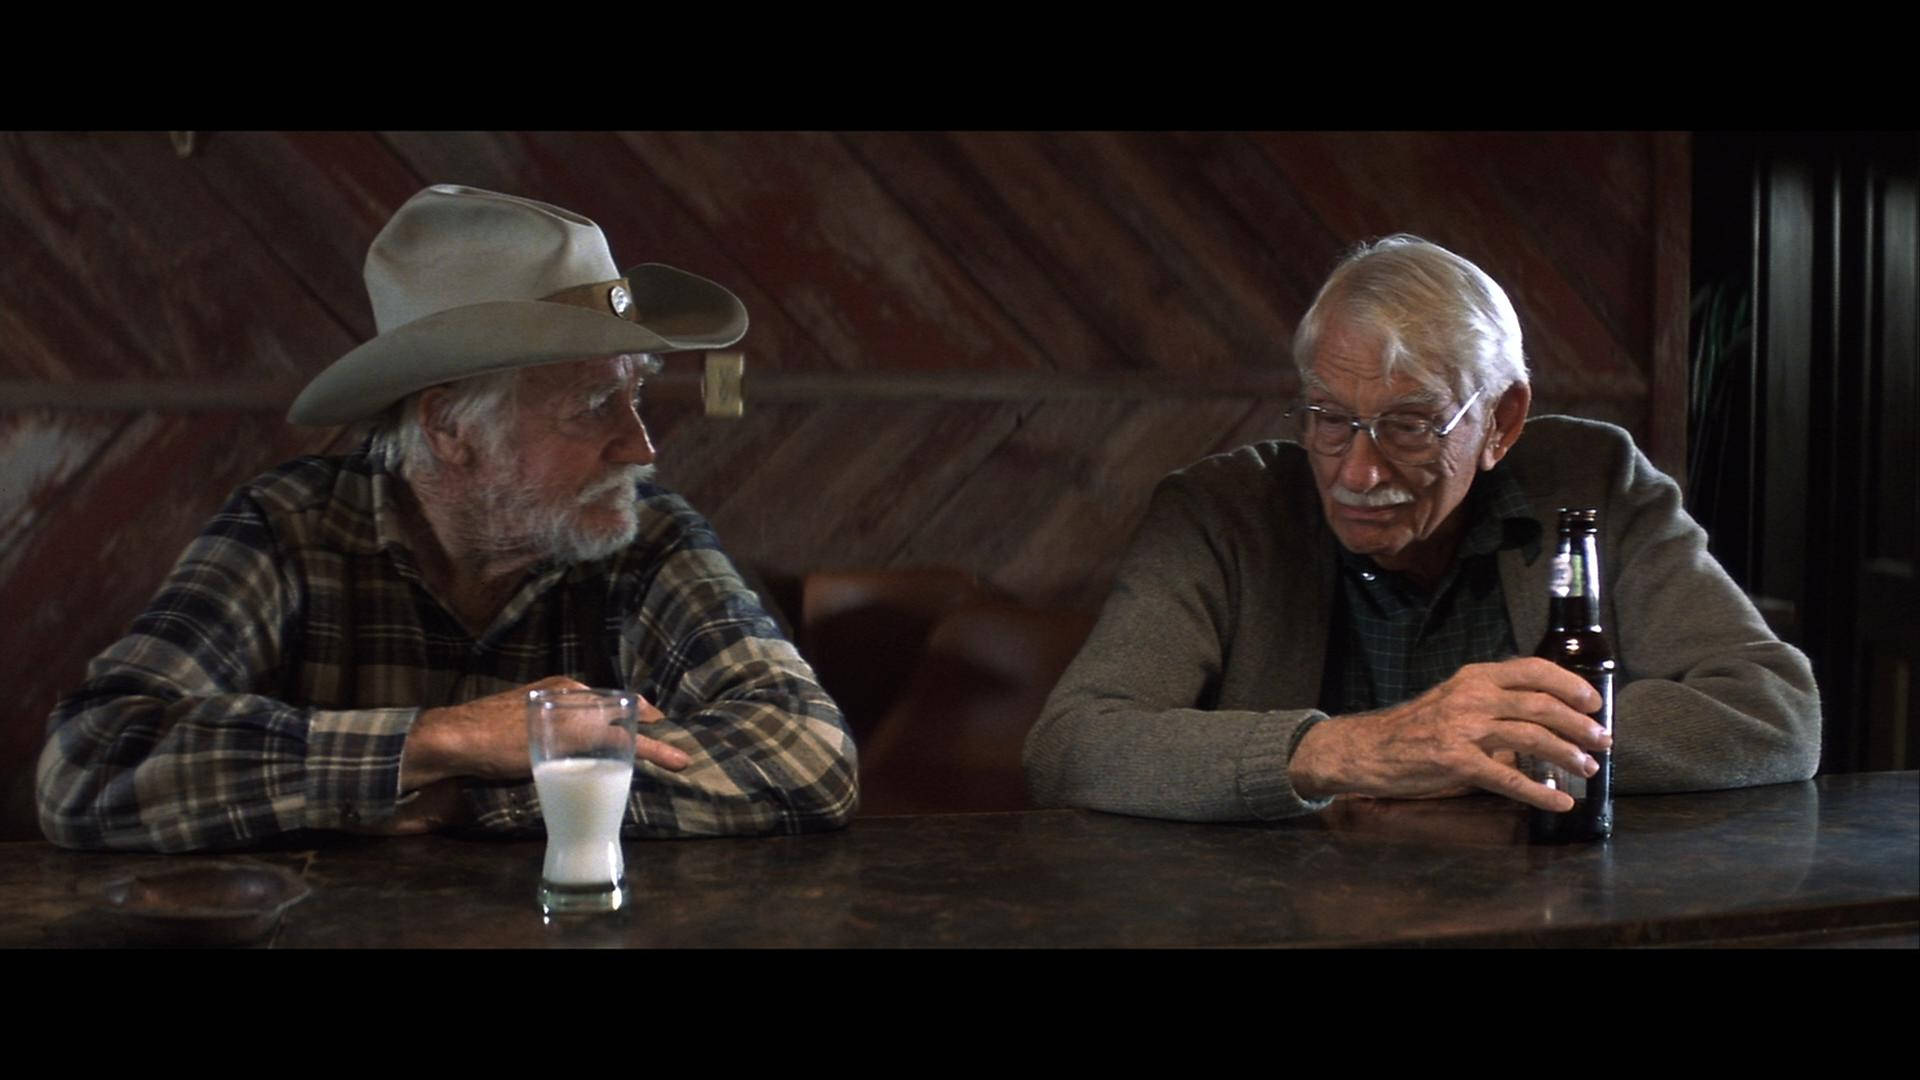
1560	577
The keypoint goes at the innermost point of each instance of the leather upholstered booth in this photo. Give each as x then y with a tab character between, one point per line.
940	677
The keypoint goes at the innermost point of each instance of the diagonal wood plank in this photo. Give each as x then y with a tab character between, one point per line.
41	453
843	259
1193	233
959	212
315	200
1600	241
1106	270
800	487
127	227
52	324
1370	185
1049	513
1274	215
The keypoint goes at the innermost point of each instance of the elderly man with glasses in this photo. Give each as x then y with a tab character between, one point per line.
1351	614
350	643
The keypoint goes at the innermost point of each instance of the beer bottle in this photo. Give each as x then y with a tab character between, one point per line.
1575	641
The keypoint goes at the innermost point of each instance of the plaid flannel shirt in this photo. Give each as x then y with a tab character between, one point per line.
271	684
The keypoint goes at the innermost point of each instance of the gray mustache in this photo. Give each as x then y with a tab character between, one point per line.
1386	496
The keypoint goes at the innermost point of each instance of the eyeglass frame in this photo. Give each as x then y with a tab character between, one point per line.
1366	424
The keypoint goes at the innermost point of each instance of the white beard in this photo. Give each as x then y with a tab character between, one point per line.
514	518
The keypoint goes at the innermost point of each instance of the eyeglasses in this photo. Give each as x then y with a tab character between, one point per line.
1406	438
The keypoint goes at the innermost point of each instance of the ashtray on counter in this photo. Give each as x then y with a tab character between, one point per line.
224	903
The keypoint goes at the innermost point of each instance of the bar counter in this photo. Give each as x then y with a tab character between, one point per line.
1833	861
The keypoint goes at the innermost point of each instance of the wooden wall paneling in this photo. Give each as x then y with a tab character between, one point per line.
936	184
1364	185
121	234
1194	236
154	253
129	236
41	453
128	516
1300	249
315	200
1371	185
1049	513
846	485
712	461
1587	200
807	221
50	327
1103	267
1622	242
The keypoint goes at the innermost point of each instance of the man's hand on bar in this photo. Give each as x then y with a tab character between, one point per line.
487	738
1459	736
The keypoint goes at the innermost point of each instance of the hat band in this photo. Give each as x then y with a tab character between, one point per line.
614	296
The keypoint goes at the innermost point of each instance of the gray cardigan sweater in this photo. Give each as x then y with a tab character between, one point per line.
1202	673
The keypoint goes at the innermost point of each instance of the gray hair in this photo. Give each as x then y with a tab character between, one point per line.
487	403
1445	323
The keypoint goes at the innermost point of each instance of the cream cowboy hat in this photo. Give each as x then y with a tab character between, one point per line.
466	282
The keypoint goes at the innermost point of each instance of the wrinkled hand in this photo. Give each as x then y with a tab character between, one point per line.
487	738
1461	735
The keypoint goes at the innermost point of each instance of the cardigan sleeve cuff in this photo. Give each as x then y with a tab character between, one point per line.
1265	783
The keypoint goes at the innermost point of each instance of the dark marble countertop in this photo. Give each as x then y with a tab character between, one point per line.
1835	860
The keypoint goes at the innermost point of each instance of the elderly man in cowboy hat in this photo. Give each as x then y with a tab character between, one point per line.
1350	615
350	642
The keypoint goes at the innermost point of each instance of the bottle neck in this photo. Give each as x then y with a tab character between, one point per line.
1573	599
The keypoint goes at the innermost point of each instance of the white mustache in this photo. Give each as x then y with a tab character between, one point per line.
1384	496
621	479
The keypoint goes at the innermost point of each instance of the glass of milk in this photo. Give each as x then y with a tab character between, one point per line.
582	747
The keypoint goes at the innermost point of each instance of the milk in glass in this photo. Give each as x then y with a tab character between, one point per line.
583	800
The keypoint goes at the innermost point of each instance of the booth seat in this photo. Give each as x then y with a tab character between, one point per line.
940	676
